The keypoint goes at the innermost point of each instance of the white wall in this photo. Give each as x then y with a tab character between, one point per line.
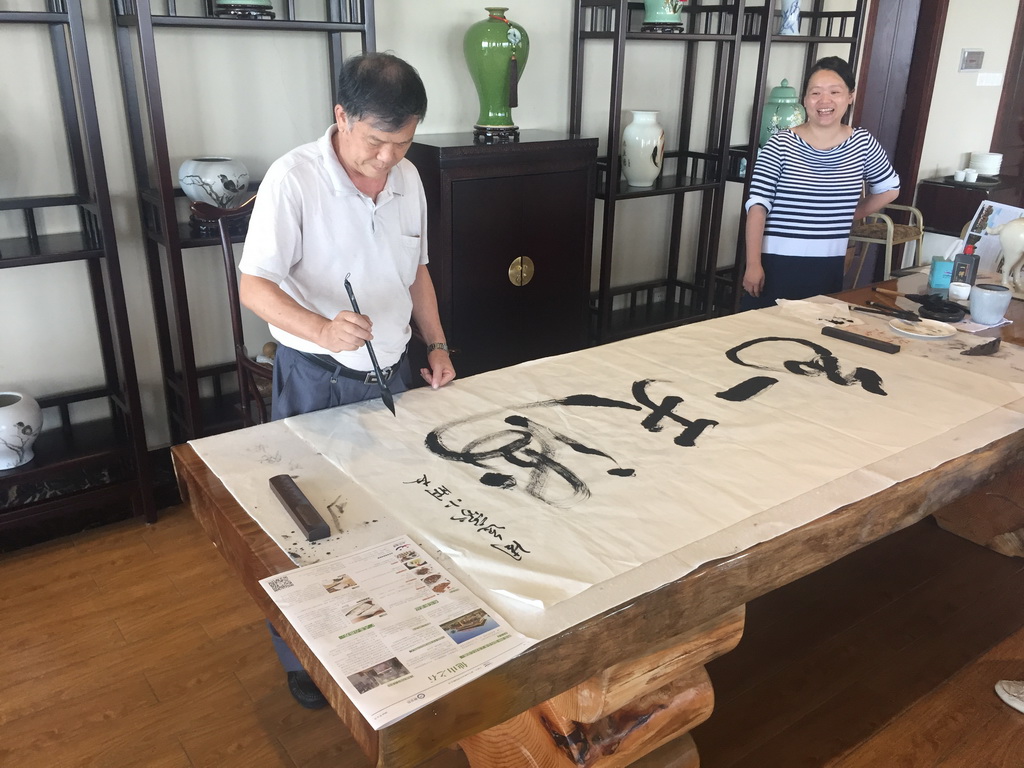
963	110
259	95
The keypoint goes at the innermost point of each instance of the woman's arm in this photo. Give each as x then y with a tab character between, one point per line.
874	203
753	274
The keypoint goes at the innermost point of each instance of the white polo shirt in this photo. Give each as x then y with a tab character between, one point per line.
311	227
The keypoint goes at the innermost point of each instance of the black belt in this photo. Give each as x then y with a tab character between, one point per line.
331	365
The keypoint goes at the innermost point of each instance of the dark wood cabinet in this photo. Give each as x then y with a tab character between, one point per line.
83	463
497	214
947	205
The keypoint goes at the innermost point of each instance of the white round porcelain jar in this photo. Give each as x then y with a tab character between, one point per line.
20	422
219	181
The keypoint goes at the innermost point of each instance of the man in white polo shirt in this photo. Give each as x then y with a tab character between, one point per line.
348	205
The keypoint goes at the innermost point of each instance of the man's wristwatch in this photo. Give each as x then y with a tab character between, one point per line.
437	345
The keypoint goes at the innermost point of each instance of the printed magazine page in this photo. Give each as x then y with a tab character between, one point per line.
392	627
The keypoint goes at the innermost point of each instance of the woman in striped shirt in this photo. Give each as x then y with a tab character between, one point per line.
806	193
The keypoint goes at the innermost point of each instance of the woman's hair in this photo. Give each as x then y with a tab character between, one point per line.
833	64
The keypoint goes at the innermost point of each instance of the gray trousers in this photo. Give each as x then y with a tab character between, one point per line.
301	386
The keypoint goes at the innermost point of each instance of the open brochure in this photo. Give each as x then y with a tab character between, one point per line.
392	627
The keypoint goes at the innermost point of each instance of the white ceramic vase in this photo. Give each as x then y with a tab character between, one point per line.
790	24
219	181
20	422
643	149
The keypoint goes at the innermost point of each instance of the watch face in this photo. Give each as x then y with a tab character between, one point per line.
514	36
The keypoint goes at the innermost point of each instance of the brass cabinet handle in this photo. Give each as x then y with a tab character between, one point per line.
520	271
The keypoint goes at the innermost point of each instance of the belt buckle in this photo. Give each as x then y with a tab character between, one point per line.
371	377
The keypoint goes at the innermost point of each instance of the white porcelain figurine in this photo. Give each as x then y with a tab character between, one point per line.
1011	238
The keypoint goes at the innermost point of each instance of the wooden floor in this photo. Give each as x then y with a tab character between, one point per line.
134	646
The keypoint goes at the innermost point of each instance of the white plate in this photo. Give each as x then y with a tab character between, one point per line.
925	329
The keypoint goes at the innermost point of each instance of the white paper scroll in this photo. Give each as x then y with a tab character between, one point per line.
572	483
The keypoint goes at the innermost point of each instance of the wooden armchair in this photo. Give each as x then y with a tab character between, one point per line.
880	228
254	379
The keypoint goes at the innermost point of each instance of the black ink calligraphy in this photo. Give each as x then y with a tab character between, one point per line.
824	363
480	521
528	444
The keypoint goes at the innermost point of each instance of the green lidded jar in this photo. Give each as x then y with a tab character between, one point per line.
782	110
496	51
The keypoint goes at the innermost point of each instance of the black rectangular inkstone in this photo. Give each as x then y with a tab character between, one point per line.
299	508
857	338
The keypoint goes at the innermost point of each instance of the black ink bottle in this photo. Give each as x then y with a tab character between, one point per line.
965	266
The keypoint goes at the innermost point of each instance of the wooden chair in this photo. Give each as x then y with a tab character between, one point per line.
254	379
880	228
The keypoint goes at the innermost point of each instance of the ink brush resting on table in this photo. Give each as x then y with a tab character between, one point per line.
877	308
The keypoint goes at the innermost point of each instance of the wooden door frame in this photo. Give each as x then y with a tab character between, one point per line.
920	86
1007	134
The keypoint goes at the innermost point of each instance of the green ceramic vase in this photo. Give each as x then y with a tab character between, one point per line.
496	51
781	111
662	11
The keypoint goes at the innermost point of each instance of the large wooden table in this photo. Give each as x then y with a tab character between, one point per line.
611	689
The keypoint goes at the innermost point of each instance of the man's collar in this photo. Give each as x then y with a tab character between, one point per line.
342	182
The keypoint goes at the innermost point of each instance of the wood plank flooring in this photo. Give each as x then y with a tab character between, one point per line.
134	645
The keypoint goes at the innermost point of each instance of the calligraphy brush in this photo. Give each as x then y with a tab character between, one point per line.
888	309
385	391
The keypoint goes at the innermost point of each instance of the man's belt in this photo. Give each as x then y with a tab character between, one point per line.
331	365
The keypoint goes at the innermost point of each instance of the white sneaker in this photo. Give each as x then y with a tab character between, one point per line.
1012	692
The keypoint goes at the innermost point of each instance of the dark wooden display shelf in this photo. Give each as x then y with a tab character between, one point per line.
47	249
167	231
78	466
87	445
651	306
705	163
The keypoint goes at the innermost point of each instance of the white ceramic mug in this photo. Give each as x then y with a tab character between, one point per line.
989	302
959	291
970	175
958	175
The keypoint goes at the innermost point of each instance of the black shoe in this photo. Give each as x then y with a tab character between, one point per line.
304	690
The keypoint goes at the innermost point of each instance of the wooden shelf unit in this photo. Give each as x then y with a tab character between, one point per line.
166	234
704	164
78	465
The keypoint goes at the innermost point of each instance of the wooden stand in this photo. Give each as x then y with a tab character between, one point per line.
620	715
992	516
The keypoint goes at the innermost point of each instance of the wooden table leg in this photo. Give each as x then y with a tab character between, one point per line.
992	515
621	715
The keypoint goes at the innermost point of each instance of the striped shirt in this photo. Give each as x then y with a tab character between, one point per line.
811	194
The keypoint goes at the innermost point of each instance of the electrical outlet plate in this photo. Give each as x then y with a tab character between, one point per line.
971	59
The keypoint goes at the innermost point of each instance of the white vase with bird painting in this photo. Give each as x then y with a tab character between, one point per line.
20	422
219	181
643	149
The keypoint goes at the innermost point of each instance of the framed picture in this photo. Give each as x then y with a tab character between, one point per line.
989	216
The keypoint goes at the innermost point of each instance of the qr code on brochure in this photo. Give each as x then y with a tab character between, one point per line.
280	582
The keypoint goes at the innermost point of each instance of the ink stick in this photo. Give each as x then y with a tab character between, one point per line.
299	508
865	341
